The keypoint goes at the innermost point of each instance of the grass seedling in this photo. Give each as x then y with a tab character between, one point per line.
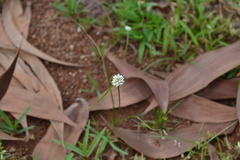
70	156
12	128
75	10
97	53
94	86
97	146
136	157
4	153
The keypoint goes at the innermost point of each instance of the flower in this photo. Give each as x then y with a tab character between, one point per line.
128	28
117	80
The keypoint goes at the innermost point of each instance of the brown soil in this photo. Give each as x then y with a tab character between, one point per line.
58	37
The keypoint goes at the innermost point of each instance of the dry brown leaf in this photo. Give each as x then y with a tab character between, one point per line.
153	104
17	100
133	91
47	149
6	77
48	88
160	74
151	145
5	42
21	19
199	109
44	77
46	84
212	152
220	89
159	87
17	39
21	73
192	77
4	136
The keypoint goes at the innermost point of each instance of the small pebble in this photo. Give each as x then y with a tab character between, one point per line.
12	149
84	80
98	33
71	47
79	29
80	71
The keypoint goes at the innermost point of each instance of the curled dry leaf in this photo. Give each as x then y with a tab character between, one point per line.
5	80
22	73
4	136
153	104
17	38
133	91
21	19
175	143
47	149
35	70
199	109
192	77
6	77
17	100
159	87
220	89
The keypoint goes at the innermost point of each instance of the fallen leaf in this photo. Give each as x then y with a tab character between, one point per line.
22	73
131	92
21	19
153	104
151	144
47	149
4	136
199	109
35	69
196	75
220	89
17	100
17	38
5	78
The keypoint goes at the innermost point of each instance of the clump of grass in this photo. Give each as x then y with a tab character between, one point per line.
99	142
179	31
13	128
187	30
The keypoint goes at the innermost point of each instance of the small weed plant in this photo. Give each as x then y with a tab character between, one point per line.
99	142
4	153
179	30
13	128
188	29
94	86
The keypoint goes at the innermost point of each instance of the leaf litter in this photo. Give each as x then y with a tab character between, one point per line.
38	88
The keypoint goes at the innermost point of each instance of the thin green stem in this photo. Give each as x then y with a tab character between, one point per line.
127	42
119	100
102	58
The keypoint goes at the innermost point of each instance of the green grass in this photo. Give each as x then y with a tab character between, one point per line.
4	154
95	148
13	128
188	29
94	86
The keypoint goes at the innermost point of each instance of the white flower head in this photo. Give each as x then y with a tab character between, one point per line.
117	80
128	28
